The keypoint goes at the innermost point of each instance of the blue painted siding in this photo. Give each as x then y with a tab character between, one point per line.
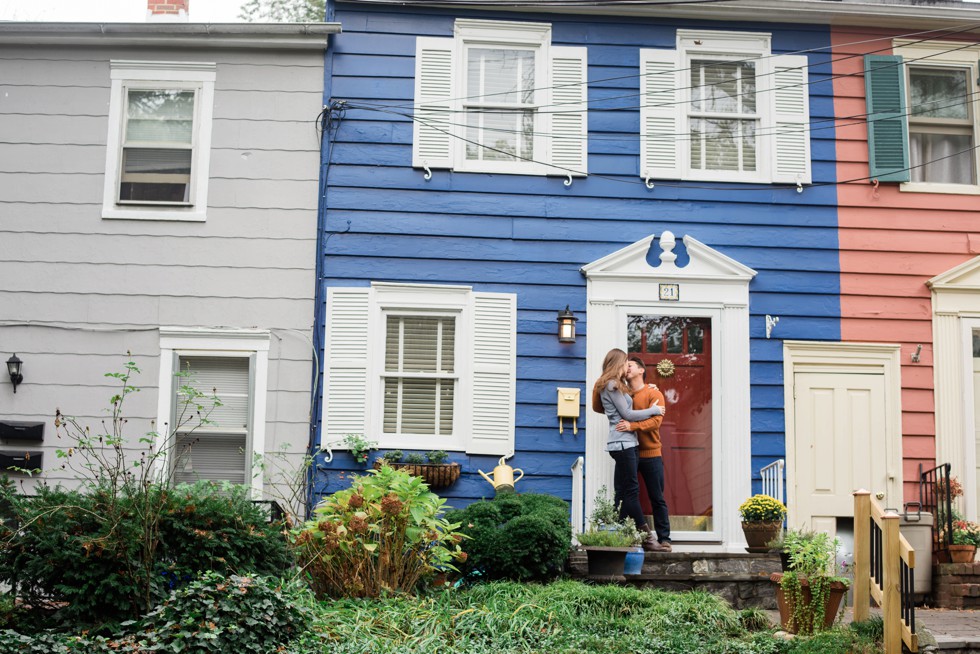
531	235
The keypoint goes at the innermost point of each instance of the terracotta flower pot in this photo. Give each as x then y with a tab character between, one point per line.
758	534
962	553
786	604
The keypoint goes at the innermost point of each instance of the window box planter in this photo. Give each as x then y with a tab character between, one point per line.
436	475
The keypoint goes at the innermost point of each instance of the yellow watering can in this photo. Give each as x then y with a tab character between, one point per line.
503	476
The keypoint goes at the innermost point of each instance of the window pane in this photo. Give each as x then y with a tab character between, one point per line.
655	337
723	86
160	115
508	133
155	175
675	338
715	144
976	345
941	158
418	400
419	344
938	93
497	75
695	339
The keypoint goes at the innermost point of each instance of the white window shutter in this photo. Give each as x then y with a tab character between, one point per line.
345	363
661	114
432	133
790	134
569	120
494	373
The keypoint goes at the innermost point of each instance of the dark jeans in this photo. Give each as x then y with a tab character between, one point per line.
652	469
626	487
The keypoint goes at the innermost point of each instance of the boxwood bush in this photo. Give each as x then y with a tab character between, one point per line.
522	537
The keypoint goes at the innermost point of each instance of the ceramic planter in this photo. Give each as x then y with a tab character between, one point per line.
962	553
758	534
786	603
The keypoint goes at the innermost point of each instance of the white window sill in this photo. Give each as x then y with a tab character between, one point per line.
154	214
950	189
725	176
420	443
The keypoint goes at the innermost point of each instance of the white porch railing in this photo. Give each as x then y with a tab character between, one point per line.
772	480
578	496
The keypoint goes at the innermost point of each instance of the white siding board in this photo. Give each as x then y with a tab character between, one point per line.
262	193
78	130
295	105
54	100
265	136
68	188
266	164
52	158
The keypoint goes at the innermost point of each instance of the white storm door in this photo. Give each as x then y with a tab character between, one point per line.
841	446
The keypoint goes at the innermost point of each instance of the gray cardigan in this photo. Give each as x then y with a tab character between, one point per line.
619	406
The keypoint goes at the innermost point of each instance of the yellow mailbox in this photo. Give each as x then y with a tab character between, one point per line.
568	407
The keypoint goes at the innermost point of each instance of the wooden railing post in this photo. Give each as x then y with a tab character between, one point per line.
862	554
891	606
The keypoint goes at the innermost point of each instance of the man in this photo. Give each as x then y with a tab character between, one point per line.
651	465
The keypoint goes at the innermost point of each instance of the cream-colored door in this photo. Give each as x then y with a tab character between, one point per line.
976	419
841	445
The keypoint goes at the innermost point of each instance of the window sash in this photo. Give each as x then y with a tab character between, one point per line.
165	141
936	138
723	115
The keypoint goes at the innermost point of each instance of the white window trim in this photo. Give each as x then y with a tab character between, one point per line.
216	342
722	46
492	33
406	299
191	75
936	55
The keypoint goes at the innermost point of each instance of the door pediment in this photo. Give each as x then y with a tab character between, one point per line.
706	264
965	276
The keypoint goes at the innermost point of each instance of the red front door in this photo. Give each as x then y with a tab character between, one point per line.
677	354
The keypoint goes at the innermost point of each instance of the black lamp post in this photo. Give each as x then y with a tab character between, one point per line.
14	365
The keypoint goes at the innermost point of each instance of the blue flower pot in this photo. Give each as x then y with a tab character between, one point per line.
634	562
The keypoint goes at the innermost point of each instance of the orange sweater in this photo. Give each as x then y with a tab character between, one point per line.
648	431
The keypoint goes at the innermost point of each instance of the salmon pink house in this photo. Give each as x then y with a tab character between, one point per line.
691	180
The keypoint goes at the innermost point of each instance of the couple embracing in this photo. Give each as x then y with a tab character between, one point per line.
634	410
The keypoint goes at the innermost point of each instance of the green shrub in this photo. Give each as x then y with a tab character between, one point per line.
87	549
384	533
217	614
521	537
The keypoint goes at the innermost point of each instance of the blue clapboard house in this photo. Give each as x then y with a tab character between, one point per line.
655	169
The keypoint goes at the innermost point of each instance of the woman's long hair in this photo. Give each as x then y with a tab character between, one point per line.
612	370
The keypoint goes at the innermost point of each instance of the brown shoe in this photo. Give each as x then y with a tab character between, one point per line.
651	545
665	546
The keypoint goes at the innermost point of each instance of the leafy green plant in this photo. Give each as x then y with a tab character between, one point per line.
226	614
515	536
384	533
762	508
813	564
393	456
415	458
437	457
360	447
966	532
606	528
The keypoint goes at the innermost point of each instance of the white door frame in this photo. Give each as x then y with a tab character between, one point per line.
711	285
955	315
834	357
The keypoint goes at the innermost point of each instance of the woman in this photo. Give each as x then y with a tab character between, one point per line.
613	393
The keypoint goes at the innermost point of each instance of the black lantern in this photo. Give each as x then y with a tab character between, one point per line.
13	369
566	326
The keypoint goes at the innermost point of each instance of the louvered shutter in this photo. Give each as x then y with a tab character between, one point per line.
494	373
569	122
888	134
791	118
661	114
432	134
216	450
345	363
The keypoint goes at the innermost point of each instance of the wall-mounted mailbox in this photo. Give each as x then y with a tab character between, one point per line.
13	460
568	407
15	430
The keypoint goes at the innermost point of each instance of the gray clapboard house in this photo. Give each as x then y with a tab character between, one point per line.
158	195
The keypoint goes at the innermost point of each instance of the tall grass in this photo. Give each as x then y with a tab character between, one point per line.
559	618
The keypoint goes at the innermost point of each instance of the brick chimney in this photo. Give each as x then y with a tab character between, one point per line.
173	11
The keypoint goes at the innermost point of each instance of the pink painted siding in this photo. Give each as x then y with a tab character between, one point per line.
891	243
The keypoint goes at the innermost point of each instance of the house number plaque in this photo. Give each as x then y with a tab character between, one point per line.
670	292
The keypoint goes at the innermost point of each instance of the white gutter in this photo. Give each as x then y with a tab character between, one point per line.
288	36
868	14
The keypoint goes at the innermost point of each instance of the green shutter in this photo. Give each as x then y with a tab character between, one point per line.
888	139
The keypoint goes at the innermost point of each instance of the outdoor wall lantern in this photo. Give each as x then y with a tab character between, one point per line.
566	326
14	365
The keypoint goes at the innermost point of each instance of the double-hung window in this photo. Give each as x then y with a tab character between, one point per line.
722	108
158	147
421	367
499	97
922	124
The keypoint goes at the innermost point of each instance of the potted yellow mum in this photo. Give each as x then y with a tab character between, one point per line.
762	518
